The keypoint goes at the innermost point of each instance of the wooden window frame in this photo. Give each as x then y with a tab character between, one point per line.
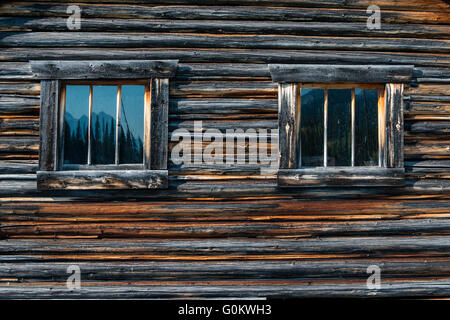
54	75
389	172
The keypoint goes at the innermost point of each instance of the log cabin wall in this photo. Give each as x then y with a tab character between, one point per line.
221	231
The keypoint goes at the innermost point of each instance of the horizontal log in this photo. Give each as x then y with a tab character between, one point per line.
172	230
15	167
223	13
20	104
429	127
19	125
202	89
354	177
241	189
285	73
161	40
215	56
351	29
102	179
430	108
20	88
118	69
212	289
19	144
412	5
257	247
145	271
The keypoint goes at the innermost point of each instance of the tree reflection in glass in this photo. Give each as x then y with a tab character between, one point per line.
311	119
76	124
132	124
366	127
103	126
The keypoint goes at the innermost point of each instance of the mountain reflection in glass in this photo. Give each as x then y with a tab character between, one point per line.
339	127
311	118
76	124
132	124
366	127
103	127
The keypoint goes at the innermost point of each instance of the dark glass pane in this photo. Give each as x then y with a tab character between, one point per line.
103	124
339	127
132	124
366	127
75	124
311	118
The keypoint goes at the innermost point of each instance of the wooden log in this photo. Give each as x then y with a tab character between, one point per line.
10	104
180	270
225	89
230	289
429	127
20	88
332	176
19	125
52	24
229	106
19	144
286	73
256	247
108	40
98	179
124	69
17	167
173	230
174	12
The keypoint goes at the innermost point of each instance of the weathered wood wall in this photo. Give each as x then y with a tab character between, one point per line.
227	231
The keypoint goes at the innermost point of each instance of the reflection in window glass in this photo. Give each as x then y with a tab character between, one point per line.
76	122
311	118
132	124
339	127
103	128
366	127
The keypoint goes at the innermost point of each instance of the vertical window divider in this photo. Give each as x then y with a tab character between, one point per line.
89	138
61	127
353	128
325	128
118	114
298	126
381	128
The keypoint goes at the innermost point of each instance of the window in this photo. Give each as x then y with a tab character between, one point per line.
340	125
103	124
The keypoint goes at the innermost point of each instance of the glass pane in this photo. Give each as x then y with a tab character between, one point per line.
76	122
366	127
339	127
132	124
311	119
103	124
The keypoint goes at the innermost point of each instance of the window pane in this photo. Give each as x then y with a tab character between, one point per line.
311	118
103	124
366	127
75	124
132	124
339	127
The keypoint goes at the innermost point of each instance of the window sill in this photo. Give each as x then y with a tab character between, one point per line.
341	177
102	179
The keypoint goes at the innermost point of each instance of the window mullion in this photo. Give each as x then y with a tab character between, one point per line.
325	128
89	159
118	114
353	127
